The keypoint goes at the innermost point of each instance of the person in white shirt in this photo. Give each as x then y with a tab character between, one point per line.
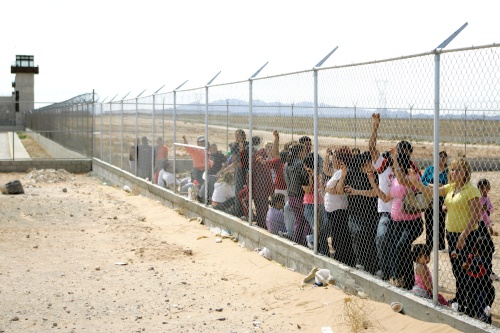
165	178
336	227
383	164
223	197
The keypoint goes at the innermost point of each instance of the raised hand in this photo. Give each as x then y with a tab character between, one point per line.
343	169
394	153
412	176
349	190
375	120
371	176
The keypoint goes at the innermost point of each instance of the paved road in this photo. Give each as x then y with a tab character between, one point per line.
6	148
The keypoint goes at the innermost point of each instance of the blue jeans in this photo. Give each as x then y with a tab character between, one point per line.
289	220
309	214
382	243
240	180
301	228
198	176
402	234
363	233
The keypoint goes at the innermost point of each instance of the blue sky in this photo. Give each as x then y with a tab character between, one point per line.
116	47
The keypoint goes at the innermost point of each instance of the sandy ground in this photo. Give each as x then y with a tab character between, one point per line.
78	255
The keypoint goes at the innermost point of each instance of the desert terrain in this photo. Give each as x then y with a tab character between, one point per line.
79	255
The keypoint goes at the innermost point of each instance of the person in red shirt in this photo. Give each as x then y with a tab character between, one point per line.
198	156
276	161
161	152
161	156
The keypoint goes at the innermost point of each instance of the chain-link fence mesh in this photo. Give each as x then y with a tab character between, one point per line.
366	198
63	129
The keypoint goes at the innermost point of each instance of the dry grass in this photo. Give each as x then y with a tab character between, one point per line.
332	133
33	148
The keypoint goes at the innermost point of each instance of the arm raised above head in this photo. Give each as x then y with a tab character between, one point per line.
372	143
275	152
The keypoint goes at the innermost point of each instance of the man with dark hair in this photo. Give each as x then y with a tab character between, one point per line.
307	143
218	158
144	161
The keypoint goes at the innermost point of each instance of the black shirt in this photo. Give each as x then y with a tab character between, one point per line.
360	205
218	158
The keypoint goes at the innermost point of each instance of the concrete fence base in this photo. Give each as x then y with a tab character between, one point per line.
73	165
291	255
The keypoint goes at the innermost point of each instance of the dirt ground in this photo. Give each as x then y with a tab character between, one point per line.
33	148
79	255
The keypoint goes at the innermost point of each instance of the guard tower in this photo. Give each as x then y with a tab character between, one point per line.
24	86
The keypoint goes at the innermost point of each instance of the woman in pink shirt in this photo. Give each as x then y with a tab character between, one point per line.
405	228
308	188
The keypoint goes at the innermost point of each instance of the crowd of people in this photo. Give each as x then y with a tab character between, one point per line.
141	162
364	218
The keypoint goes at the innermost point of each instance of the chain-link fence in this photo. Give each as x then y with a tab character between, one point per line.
341	160
61	130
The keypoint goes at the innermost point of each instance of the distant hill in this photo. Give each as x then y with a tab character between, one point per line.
306	109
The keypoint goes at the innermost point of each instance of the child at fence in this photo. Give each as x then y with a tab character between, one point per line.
275	218
166	178
223	198
309	186
484	187
481	292
421	254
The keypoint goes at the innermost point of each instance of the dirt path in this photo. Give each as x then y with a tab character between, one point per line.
79	256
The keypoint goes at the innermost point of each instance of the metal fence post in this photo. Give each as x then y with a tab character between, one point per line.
315	171
136	156
355	129
174	169
435	205
163	120
206	138
316	157
175	129
465	131
411	123
102	129
93	125
110	132
227	125
153	142
250	148
121	136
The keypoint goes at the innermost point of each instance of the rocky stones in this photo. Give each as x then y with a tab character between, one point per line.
13	187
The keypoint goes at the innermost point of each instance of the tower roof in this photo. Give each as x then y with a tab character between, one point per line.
24	64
